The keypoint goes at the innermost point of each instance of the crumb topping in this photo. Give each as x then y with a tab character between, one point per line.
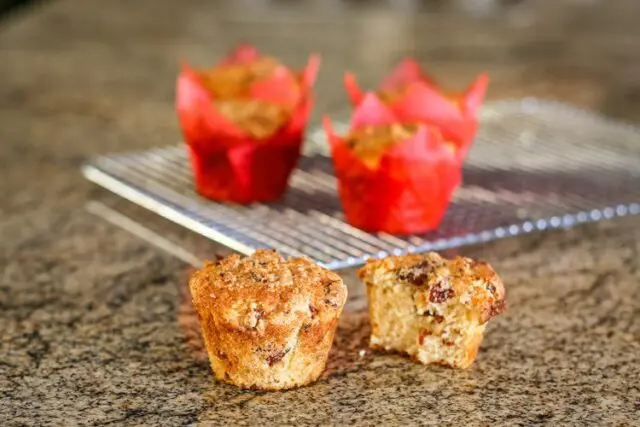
264	289
369	143
258	118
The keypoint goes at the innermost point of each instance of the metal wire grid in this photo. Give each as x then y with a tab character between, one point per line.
535	165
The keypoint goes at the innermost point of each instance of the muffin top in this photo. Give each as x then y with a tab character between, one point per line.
265	289
258	118
233	81
369	143
230	87
437	280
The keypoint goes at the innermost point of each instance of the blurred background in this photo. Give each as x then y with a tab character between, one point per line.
583	51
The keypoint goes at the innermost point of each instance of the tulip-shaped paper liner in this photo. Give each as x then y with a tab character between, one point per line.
414	98
409	190
229	164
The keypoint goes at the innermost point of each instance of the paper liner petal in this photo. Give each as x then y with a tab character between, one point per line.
299	119
423	103
354	92
372	111
242	54
473	97
406	72
281	87
310	71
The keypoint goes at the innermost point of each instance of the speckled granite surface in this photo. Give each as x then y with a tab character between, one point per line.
94	324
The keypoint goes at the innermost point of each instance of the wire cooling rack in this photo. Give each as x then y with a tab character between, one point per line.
535	165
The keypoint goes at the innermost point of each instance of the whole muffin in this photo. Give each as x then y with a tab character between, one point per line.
430	308
244	122
268	323
393	176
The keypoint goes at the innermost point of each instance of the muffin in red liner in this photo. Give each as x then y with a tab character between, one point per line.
244	123
393	176
413	96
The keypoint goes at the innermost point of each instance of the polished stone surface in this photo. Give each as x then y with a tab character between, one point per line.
94	322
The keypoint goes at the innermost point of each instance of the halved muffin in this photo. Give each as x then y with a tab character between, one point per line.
268	323
432	309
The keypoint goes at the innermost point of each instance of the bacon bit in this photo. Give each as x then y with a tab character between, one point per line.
274	358
331	303
497	308
331	293
437	317
313	310
438	294
416	275
423	334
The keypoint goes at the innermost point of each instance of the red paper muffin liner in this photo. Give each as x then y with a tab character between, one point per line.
409	190
228	163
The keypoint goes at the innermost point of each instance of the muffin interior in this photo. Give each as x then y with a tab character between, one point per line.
432	309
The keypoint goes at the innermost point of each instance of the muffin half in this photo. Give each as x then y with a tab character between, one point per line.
268	323
432	309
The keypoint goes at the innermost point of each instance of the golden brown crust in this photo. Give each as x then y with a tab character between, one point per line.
268	323
433	309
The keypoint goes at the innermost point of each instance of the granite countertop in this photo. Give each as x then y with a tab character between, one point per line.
95	325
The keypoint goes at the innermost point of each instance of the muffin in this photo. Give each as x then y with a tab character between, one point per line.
393	176
268	323
432	309
244	121
415	97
